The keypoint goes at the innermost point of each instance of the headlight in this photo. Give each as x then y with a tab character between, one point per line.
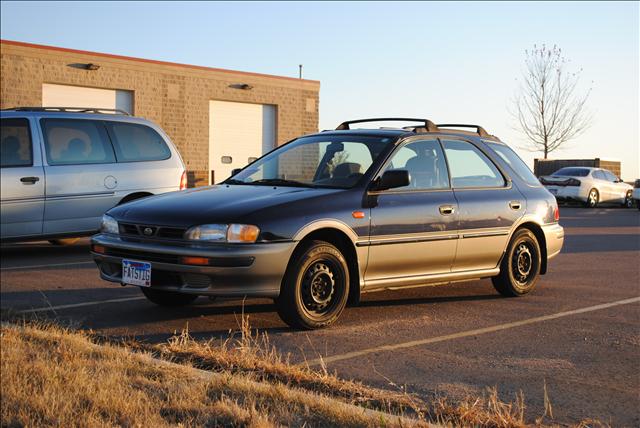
233	233
109	225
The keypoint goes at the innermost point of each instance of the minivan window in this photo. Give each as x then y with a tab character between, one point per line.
15	143
76	142
133	142
515	162
469	167
425	162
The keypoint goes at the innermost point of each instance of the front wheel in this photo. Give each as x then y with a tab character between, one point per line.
628	200
520	267
168	298
315	288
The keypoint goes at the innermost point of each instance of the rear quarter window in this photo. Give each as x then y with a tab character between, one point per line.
515	162
15	143
136	143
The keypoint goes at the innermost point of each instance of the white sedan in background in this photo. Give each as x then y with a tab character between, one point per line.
590	186
636	193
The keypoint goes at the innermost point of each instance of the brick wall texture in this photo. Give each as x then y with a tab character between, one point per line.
174	96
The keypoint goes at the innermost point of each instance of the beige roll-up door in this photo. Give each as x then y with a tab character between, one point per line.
238	132
79	96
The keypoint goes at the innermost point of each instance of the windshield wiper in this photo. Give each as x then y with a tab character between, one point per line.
281	182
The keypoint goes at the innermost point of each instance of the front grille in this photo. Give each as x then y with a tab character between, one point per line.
151	231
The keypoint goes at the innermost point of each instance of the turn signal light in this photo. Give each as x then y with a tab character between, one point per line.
199	261
183	180
357	214
556	213
98	249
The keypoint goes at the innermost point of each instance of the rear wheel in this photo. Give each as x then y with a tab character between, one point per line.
65	241
520	267
168	298
593	198
315	288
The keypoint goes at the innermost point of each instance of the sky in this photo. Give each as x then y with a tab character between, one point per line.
445	61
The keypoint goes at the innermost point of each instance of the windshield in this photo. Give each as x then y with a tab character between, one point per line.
572	172
514	161
317	161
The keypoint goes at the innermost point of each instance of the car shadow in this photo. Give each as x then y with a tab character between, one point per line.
599	243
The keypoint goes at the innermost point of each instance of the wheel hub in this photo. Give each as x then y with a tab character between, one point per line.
319	286
523	261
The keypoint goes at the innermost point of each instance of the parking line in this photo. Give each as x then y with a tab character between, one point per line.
413	343
46	266
80	305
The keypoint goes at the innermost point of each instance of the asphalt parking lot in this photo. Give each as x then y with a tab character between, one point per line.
578	332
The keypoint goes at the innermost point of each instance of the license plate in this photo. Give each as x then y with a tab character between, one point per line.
554	191
136	273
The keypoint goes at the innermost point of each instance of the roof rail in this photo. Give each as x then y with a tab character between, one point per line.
479	129
430	126
72	110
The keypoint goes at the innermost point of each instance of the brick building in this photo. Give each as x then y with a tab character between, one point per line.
219	119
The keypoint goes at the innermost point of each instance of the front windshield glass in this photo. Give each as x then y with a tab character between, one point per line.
317	161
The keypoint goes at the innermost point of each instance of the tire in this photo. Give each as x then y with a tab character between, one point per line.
593	198
63	242
315	287
520	267
168	298
628	200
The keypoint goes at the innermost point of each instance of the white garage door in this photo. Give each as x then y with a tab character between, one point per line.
238	133
79	96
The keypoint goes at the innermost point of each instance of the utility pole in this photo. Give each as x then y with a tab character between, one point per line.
300	73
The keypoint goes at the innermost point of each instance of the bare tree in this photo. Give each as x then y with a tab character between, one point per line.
549	108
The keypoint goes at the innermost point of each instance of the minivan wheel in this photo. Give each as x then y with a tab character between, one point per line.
593	198
62	242
520	267
168	298
315	287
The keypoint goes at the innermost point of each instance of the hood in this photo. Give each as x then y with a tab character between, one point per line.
213	204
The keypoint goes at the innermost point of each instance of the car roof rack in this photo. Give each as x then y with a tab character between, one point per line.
428	125
479	129
72	110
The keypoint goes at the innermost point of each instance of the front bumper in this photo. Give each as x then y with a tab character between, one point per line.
254	270
554	237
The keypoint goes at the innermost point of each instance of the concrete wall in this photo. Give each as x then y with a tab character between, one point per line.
175	96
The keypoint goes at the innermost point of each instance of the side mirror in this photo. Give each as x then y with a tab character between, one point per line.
392	179
234	171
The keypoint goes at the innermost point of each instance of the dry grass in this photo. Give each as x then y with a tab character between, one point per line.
53	376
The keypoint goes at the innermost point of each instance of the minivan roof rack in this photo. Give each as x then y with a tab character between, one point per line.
72	110
429	126
479	129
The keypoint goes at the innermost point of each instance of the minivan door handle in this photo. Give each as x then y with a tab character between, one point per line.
515	205
446	209
30	180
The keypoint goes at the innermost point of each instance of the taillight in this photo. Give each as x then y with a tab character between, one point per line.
556	213
573	182
183	180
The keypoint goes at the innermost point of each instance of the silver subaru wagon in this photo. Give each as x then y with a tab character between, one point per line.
62	168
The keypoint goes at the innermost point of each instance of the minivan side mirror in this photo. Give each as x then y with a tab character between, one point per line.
234	171
392	179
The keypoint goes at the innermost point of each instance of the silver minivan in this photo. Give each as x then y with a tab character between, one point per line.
63	168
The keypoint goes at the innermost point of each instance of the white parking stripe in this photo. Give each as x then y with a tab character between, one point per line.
80	305
46	266
354	354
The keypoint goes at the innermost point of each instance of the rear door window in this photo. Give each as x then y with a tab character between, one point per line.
76	142
469	167
15	143
135	143
599	175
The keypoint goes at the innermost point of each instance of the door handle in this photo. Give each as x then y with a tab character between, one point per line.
30	180
515	205
446	209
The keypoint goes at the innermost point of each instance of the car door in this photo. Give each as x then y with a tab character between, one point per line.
413	228
81	175
617	189
22	180
488	206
